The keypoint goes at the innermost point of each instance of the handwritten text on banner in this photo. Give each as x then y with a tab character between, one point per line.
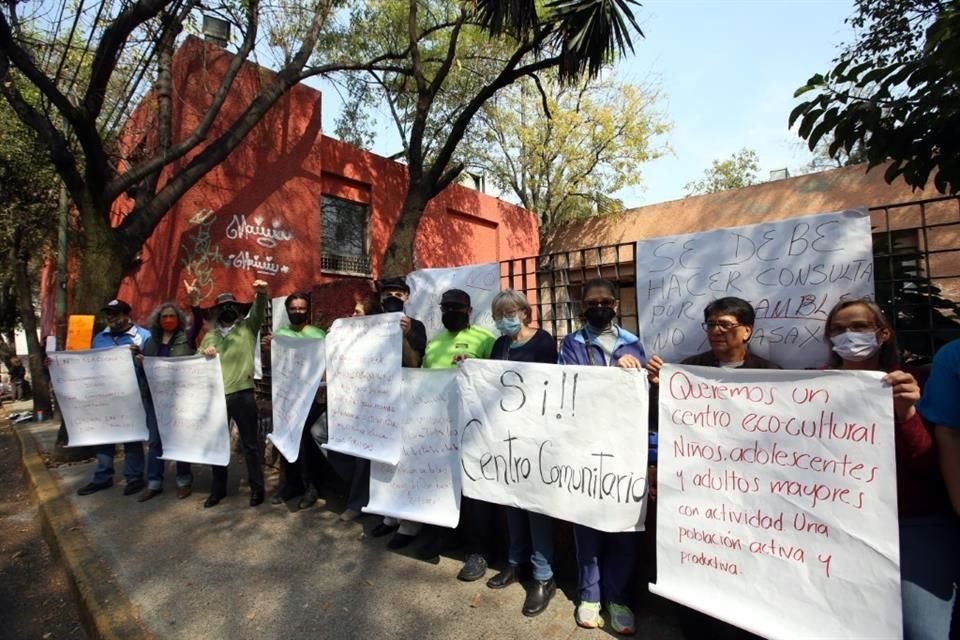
792	271
99	396
296	369
363	386
191	409
777	500
424	486
565	441
480	281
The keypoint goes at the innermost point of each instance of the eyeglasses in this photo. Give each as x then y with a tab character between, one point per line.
604	302
722	326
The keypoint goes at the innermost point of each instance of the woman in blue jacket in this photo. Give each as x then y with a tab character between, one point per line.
605	561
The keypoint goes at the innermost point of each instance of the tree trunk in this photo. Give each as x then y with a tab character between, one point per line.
39	379
102	263
399	258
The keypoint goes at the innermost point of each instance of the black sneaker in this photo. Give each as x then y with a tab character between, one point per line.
399	541
93	487
134	486
473	569
383	529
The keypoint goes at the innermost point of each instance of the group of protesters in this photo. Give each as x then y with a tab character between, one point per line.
926	429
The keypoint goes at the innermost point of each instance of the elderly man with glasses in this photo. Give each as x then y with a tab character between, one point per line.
728	323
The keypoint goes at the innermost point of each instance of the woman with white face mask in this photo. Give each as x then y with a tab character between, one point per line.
531	534
862	339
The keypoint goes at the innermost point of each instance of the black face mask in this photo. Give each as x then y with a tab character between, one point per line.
600	317
455	320
228	316
297	317
392	304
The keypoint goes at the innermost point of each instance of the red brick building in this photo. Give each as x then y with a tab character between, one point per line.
292	206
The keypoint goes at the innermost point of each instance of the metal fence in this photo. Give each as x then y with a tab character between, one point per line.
916	249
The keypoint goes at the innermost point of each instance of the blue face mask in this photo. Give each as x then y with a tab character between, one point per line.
508	326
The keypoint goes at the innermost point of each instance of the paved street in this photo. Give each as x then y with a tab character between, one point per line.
239	572
35	599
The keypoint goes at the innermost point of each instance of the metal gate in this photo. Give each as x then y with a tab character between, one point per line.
916	251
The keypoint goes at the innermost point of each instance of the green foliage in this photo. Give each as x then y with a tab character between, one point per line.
739	170
28	206
896	94
589	34
564	163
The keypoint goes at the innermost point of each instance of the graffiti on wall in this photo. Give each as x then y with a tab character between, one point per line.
201	254
266	236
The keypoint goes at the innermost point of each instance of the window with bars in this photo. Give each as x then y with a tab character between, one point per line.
346	237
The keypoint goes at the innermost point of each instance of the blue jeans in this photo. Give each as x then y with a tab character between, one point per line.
928	575
155	450
132	463
604	563
531	536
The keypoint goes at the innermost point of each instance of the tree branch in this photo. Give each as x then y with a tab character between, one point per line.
131	177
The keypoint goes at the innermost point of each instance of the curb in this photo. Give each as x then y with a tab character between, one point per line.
105	611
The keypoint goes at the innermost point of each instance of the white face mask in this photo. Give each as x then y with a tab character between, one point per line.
855	346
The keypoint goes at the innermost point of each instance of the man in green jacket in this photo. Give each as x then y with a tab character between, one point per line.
235	338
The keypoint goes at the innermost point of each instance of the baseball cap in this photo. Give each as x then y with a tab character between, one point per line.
116	306
224	298
455	296
399	283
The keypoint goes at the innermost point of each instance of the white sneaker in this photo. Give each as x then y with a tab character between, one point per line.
588	615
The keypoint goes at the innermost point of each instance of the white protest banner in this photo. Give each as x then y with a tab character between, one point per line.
191	408
363	386
481	281
566	441
99	396
777	500
424	486
296	368
792	271
278	315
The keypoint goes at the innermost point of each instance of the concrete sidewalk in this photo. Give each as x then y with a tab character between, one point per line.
235	572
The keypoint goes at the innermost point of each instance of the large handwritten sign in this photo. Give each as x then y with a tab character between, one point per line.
191	409
565	441
792	271
481	281
297	367
98	395
424	486
778	500
363	386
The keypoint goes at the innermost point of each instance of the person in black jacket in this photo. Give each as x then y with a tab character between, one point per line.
169	338
394	293
531	534
18	376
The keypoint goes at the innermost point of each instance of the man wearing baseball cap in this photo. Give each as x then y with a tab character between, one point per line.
120	331
234	339
394	293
